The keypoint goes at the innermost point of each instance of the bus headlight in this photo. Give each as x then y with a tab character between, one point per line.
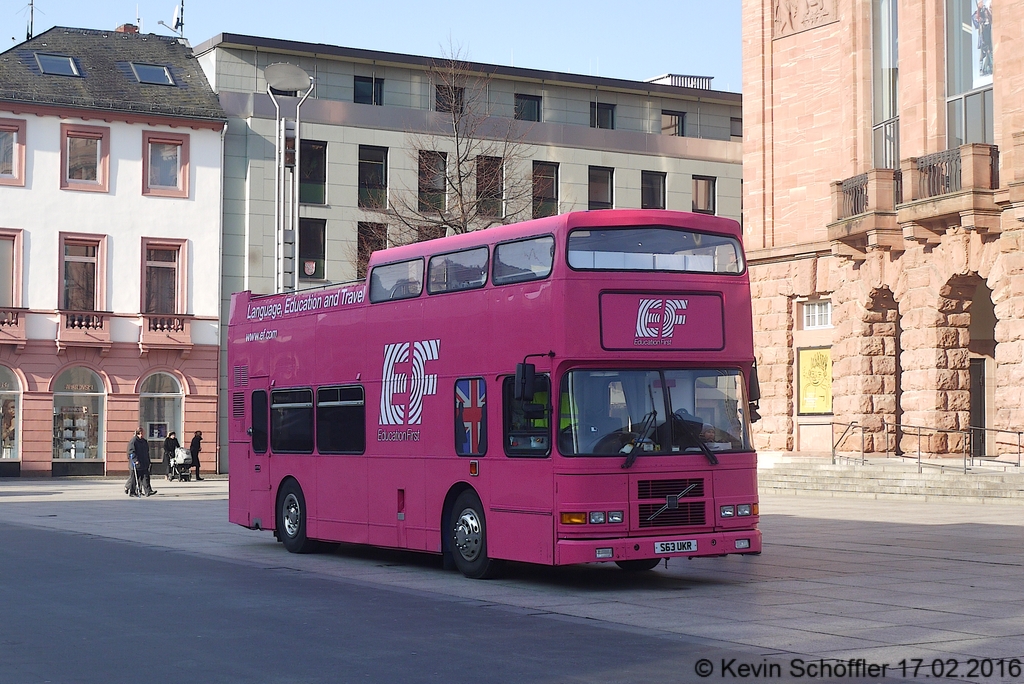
615	516
597	517
728	511
574	518
742	543
604	553
743	509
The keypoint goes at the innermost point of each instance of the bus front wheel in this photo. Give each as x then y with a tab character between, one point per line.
638	565
469	537
291	519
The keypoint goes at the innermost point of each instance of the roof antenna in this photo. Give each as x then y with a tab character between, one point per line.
31	19
178	21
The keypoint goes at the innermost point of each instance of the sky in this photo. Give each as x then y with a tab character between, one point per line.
616	39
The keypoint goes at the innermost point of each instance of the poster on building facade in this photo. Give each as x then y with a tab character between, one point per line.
814	381
981	42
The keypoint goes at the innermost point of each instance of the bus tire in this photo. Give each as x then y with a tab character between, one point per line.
468	532
291	519
640	565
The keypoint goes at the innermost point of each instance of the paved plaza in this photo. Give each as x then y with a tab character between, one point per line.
882	581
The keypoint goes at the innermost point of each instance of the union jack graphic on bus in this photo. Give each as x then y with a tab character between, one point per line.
470	417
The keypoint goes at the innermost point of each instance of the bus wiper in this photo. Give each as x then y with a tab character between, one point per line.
710	455
633	449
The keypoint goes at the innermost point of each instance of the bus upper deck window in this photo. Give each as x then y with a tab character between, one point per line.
653	248
400	280
456	271
522	260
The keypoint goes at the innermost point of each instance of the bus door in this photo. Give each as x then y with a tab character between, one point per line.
262	505
520	524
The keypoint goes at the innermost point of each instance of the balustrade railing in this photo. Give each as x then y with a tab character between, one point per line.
855	196
940	173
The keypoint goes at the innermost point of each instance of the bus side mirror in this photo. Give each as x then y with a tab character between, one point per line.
754	394
524	388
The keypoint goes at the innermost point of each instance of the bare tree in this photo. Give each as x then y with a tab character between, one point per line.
473	172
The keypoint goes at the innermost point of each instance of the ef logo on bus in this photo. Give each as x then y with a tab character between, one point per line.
416	383
656	320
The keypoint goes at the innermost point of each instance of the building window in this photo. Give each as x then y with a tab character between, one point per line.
85	151
10	412
160	403
368	90
57	65
673	123
817	314
545	189
489	186
602	115
885	81
10	270
78	399
528	107
165	169
736	127
704	194
652	190
312	248
80	276
432	181
163	292
369	238
600	194
969	110
450	99
373	177
153	74
313	174
471	417
12	152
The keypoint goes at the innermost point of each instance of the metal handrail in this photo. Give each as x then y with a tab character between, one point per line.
850	427
1019	434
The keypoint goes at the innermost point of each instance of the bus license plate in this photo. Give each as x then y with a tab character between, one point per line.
682	546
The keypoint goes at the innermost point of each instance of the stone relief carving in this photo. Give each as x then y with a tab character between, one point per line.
794	16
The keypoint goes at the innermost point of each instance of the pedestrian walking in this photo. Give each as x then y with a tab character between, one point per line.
138	450
170	444
194	448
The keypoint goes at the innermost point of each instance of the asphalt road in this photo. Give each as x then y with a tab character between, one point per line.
80	608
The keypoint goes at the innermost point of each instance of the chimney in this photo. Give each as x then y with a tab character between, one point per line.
127	28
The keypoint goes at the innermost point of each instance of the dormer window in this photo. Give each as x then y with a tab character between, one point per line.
154	74
57	65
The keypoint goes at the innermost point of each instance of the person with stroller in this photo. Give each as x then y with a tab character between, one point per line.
138	450
170	445
194	448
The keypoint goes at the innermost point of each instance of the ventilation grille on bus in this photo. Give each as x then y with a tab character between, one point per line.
688	513
238	405
659	489
241	376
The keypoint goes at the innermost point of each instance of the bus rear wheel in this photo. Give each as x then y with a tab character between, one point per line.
291	519
468	531
638	565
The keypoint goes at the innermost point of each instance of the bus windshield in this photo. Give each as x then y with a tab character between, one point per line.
613	412
653	249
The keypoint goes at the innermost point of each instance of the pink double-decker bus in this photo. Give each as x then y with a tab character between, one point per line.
572	389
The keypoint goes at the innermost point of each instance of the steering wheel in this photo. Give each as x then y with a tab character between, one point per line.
613	442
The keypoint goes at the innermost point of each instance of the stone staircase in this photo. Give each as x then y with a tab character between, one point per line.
892	478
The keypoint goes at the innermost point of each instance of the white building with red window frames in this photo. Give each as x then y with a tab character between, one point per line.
110	241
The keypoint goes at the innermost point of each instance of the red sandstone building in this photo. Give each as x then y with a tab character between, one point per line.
884	198
110	191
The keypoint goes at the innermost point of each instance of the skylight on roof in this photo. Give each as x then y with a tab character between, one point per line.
153	74
57	65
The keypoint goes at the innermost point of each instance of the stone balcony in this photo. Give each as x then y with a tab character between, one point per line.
956	187
84	329
864	213
166	331
12	327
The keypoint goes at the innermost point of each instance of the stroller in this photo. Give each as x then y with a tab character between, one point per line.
181	465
